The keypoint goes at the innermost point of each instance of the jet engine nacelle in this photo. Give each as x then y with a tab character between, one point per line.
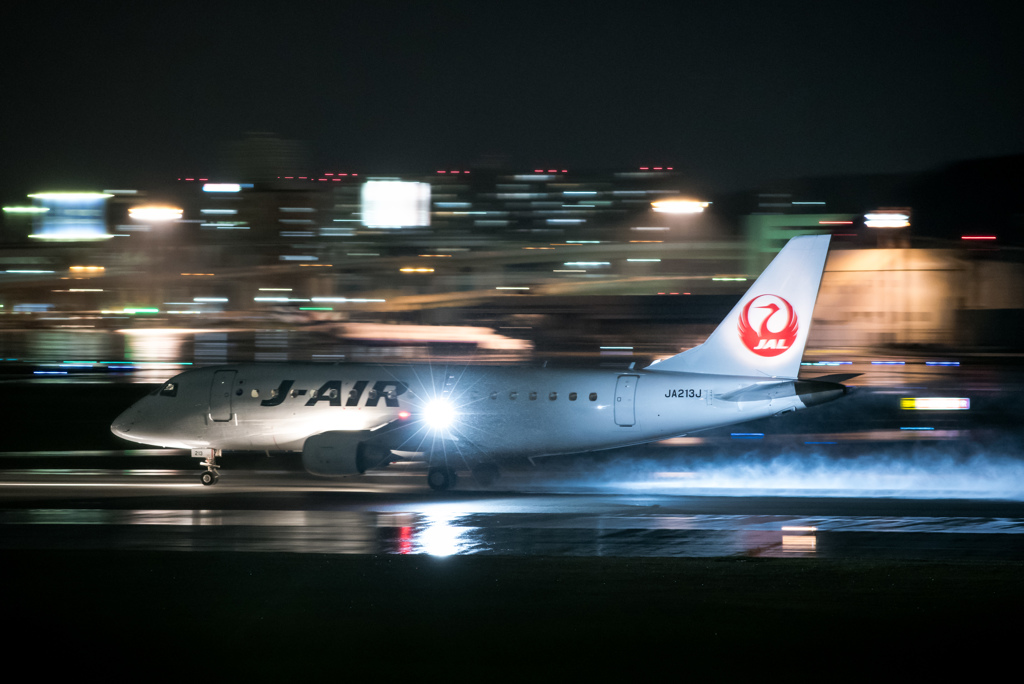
337	453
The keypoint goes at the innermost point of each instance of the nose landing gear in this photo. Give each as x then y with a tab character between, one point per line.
210	476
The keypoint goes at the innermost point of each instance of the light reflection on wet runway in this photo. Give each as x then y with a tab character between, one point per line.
394	514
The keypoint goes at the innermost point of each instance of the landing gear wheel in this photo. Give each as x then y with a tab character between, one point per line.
211	476
485	474
441	479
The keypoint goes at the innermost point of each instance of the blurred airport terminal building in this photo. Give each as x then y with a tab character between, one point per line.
497	248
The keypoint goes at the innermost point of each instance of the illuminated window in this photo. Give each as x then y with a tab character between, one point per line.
255	394
553	396
169	390
572	396
294	393
593	396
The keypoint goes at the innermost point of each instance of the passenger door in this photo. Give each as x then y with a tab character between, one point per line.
625	394
220	395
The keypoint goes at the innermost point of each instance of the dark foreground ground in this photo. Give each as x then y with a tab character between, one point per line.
275	616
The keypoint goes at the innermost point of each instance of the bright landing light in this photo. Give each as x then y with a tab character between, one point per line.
439	414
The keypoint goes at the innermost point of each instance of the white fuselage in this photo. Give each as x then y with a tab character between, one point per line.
498	411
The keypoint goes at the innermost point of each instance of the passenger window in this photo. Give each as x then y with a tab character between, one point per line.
513	395
294	393
255	394
533	396
238	392
553	396
494	395
572	396
593	396
169	390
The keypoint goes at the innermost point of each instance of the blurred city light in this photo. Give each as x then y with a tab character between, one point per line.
26	210
935	404
155	212
70	216
679	206
222	187
395	204
70	196
886	220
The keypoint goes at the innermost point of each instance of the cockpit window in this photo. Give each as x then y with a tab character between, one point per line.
169	390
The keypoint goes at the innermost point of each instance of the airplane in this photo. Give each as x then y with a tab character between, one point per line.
346	418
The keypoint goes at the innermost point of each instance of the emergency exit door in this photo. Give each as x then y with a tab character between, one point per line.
220	395
625	394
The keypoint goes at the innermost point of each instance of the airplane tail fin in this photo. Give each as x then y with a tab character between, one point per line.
765	333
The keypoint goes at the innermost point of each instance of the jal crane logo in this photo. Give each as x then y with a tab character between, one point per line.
768	325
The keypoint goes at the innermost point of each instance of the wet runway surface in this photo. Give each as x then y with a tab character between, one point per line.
393	512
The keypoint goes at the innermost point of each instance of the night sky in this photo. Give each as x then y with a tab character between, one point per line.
134	94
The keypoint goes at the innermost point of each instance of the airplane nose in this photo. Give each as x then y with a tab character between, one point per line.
124	423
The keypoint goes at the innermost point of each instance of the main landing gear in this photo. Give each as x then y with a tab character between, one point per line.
210	475
485	474
441	478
